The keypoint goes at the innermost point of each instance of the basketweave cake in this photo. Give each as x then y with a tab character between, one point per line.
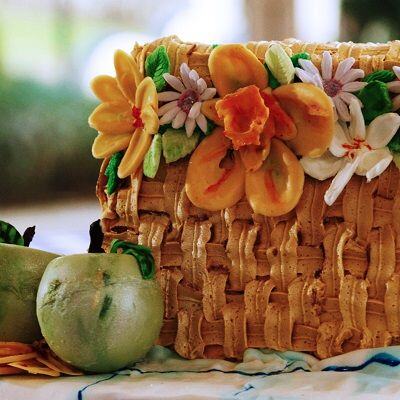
263	178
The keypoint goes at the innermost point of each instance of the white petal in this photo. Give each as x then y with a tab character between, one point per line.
353	86
340	181
202	122
201	85
340	138
174	82
166	107
382	129
308	66
326	66
179	120
371	164
342	110
185	70
304	76
318	81
343	67
393	87
168	96
169	116
353	75
357	124
189	126
349	97
208	94
193	75
396	103
396	70
323	167
195	110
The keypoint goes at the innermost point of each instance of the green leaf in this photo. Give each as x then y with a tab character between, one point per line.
111	172
280	64
296	57
177	145
153	156
382	75
272	81
394	144
376	100
156	65
142	255
9	235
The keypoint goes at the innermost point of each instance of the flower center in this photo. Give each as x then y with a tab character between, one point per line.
332	87
353	148
137	123
187	99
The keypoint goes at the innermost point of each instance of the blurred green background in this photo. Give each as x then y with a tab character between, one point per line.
50	49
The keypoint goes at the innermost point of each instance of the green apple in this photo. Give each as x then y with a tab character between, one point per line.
21	269
97	312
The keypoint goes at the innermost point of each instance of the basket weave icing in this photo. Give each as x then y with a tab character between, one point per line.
320	279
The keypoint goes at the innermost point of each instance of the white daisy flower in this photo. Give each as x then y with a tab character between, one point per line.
394	87
339	87
355	149
183	106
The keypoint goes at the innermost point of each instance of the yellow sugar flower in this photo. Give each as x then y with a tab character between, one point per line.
127	117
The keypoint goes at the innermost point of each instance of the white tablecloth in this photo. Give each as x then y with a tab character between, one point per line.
369	374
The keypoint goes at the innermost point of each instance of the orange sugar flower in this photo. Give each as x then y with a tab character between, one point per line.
244	114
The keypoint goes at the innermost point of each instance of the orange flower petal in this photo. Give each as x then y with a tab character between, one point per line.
112	118
244	114
253	156
106	145
146	94
106	89
134	155
150	120
128	74
208	110
285	128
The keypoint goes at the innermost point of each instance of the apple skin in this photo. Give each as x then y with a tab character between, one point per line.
97	313
21	269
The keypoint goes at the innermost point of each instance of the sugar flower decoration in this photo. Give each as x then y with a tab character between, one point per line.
354	149
339	87
127	117
394	87
183	105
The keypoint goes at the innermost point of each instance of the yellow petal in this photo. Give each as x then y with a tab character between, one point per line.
128	74
105	145
146	94
112	117
135	153
105	88
209	111
150	120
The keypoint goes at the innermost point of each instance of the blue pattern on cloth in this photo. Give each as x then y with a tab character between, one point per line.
263	374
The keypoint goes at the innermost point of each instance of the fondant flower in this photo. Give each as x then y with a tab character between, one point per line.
183	106
127	117
394	87
338	87
244	114
354	149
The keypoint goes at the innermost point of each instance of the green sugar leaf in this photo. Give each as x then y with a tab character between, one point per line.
111	172
9	235
296	57
176	144
272	81
156	65
153	156
376	100
141	253
394	144
280	64
382	75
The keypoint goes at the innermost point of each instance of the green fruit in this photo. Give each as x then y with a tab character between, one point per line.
96	311
176	144
21	269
